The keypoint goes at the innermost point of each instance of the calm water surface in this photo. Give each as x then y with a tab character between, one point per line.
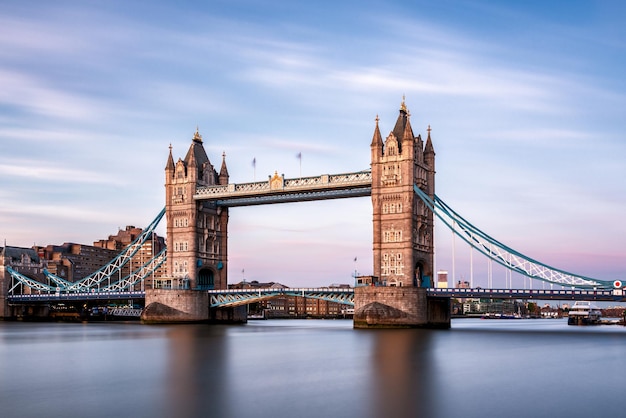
312	368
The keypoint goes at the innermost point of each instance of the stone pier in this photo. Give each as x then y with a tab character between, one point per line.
165	306
399	307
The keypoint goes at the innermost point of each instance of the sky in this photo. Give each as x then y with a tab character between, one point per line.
526	103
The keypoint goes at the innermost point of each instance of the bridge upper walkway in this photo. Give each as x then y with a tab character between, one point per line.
280	190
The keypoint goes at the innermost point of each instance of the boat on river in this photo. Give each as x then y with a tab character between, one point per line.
584	313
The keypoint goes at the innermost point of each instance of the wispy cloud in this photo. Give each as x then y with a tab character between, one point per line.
33	95
44	171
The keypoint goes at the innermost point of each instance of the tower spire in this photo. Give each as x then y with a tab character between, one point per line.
428	148
170	160
223	170
377	139
408	130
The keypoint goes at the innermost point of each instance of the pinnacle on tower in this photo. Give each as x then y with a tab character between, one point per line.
408	130
170	161
428	148
197	137
223	177
377	139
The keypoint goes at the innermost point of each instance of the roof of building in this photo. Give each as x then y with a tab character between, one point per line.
196	154
16	253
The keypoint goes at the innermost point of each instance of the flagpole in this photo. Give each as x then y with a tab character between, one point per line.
300	159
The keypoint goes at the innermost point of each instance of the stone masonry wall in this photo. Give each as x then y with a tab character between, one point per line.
172	306
399	307
390	307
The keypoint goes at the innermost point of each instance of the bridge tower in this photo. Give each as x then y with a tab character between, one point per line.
403	238
403	226
197	232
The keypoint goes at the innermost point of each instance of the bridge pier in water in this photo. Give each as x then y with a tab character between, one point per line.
187	306
399	307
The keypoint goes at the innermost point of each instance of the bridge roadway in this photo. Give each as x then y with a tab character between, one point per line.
345	296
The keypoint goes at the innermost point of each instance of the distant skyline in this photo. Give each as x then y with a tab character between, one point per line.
525	101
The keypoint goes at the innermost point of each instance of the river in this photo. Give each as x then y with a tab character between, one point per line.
312	368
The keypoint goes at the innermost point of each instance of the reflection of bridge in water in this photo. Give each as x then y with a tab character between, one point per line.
401	186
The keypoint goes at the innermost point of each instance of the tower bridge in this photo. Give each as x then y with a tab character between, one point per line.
198	199
401	184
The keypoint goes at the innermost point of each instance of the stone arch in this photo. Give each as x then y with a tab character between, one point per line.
206	279
420	275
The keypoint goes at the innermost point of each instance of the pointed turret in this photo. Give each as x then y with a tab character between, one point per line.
170	168
429	160
170	161
428	148
408	138
377	142
223	170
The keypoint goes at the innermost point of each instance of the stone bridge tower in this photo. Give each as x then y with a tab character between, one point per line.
403	241
403	226
196	230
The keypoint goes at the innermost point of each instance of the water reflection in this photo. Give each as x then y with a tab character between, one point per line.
310	369
196	378
402	369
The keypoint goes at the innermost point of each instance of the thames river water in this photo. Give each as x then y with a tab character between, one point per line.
312	368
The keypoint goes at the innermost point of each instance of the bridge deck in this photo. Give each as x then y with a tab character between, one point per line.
235	297
541	294
79	296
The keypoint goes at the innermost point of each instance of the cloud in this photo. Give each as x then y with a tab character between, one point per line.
44	171
33	95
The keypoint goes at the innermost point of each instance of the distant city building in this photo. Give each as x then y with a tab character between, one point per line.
72	261
23	260
293	306
492	306
442	279
150	248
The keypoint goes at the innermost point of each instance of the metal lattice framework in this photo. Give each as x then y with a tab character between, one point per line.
93	281
503	254
20	279
237	297
141	273
111	268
